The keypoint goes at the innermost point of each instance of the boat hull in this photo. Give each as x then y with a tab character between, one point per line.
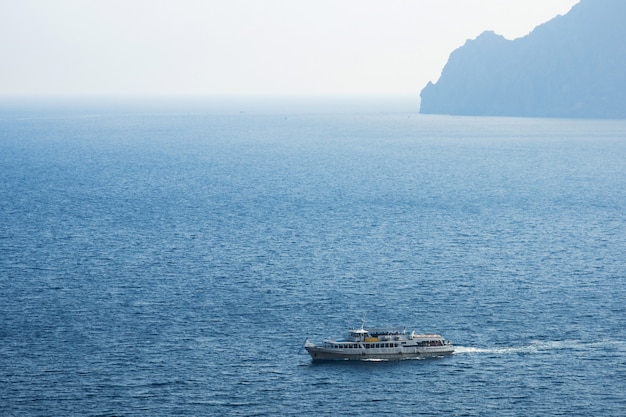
322	354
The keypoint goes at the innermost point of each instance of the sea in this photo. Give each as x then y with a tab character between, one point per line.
170	259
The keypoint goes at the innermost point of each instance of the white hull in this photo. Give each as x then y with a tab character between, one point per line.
321	354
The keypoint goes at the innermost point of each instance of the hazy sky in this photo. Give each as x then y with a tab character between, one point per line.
217	47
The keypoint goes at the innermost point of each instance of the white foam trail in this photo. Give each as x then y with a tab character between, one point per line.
538	346
460	350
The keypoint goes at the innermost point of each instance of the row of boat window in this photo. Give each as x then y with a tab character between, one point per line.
366	345
431	343
383	345
380	345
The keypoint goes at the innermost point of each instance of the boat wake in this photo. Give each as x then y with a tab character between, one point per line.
540	346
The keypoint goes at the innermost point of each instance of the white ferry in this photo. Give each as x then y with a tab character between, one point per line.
380	344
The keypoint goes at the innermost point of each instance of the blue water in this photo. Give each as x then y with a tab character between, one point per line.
172	260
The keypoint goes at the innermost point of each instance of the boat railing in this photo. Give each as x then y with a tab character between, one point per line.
387	331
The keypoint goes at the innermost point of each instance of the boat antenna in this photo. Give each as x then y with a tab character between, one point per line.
363	321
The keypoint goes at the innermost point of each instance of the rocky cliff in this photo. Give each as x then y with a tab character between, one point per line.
571	66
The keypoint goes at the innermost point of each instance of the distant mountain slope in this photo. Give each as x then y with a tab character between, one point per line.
571	66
